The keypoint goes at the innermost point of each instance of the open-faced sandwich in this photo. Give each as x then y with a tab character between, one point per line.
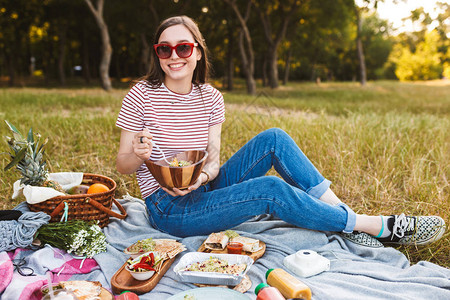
140	247
167	248
84	290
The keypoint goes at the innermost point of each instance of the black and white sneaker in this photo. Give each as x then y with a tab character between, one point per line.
406	230
362	238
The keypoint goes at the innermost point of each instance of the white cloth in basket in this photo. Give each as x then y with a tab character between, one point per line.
37	194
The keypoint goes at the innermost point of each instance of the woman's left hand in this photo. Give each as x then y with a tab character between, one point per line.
177	192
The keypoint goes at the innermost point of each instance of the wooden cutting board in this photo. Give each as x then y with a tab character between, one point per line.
123	281
105	295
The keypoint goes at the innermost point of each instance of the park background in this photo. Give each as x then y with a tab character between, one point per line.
367	102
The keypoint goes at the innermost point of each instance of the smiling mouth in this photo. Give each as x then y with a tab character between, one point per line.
176	66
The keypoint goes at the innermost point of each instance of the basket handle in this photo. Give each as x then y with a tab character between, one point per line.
57	209
97	205
108	211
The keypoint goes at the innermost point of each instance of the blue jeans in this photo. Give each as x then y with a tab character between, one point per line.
241	191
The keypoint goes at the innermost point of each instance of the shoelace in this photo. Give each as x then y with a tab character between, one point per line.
403	224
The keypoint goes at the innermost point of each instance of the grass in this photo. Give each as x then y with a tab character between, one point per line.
385	146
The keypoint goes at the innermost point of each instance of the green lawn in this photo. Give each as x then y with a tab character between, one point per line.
385	146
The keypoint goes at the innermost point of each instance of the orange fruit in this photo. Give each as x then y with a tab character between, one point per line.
97	188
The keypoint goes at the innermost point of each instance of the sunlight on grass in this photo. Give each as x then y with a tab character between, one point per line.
385	147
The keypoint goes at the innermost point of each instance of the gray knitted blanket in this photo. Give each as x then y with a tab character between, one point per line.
356	272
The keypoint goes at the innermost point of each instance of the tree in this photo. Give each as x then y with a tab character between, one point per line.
359	11
60	20
322	41
443	30
16	18
359	46
245	45
275	14
106	43
423	64
377	44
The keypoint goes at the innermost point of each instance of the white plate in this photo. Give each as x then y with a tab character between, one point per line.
208	293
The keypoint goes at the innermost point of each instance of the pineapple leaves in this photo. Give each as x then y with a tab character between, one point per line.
15	131
27	156
19	156
30	137
12	127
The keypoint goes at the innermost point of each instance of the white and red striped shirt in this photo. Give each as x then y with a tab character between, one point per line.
177	122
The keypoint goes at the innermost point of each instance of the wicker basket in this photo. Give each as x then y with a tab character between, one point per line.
84	206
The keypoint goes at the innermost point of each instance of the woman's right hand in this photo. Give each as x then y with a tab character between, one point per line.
142	144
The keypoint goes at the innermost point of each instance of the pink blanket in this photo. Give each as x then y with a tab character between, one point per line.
62	266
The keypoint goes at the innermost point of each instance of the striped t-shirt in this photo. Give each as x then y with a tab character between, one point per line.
177	122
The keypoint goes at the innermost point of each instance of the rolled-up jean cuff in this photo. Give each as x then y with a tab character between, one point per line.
351	218
318	190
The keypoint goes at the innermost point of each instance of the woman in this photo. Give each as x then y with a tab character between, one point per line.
174	108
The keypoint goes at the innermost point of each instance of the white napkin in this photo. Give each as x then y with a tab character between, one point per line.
67	179
37	194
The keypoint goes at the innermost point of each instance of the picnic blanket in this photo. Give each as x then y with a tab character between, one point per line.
356	272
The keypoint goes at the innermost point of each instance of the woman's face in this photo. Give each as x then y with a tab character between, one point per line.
178	71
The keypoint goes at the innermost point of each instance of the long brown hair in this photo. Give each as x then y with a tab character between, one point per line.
155	76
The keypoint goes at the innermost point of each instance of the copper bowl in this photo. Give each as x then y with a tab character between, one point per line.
179	177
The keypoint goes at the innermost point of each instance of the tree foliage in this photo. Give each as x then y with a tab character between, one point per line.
55	40
423	54
422	64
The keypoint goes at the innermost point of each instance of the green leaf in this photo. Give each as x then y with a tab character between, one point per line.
20	155
15	131
12	127
30	137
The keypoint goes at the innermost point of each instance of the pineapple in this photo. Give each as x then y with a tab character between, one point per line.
27	155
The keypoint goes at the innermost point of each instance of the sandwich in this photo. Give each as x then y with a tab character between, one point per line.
84	290
250	245
216	241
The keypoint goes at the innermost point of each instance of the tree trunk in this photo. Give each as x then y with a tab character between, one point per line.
62	54
313	72
46	61
117	66
273	68
229	70
265	80
85	64
155	15
245	47
287	68
230	74
247	66
144	66
106	43
11	69
106	59
359	46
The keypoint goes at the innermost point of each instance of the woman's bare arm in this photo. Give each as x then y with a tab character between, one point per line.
133	153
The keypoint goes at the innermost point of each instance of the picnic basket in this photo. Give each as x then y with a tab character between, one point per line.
85	207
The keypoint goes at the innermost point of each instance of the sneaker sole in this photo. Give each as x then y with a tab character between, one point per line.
363	239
